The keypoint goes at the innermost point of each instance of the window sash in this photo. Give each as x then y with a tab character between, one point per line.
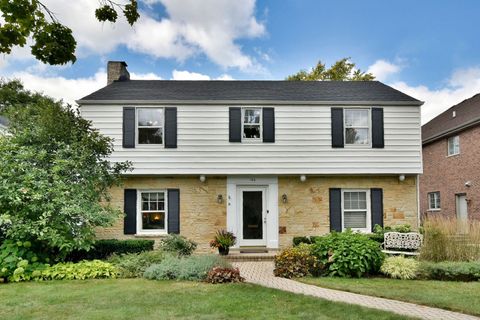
164	211
347	126
160	126
434	201
258	124
453	145
366	210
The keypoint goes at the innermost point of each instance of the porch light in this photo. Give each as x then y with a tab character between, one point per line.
284	198
401	177
220	199
303	178
202	178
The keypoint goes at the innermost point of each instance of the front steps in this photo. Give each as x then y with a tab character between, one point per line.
251	254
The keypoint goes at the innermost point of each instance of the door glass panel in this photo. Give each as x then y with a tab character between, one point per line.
252	215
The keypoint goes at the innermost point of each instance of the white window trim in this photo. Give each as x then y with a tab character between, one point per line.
430	203
448	146
369	116
137	135
140	230
260	125
369	212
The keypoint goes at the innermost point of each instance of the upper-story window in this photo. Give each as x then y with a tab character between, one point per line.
356	210
251	123
434	200
357	126
453	145
150	126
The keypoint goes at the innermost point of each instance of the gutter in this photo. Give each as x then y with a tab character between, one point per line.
451	131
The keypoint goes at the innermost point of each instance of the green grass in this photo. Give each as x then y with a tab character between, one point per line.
457	296
144	299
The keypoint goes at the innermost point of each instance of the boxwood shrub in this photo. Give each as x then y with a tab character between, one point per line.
348	254
450	270
102	249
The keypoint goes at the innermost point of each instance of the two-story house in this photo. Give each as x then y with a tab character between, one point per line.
267	160
450	183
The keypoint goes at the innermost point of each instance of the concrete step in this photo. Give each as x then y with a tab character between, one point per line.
238	256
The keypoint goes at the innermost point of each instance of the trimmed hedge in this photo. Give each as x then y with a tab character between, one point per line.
307	240
102	249
450	271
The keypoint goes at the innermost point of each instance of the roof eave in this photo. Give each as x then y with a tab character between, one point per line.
451	131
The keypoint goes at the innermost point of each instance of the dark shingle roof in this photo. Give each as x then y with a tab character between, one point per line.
467	114
308	91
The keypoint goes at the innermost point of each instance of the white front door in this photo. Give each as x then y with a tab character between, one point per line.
252	215
462	212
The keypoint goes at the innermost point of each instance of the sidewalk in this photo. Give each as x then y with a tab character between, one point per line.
261	273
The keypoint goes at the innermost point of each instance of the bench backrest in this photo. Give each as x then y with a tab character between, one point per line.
397	240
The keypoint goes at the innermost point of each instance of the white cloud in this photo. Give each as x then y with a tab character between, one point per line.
187	75
382	69
462	84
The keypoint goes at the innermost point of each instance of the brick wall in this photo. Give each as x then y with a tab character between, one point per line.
449	174
305	213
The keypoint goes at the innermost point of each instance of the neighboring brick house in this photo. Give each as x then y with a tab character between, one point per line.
267	160
450	184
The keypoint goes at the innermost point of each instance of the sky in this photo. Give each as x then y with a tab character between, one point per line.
429	49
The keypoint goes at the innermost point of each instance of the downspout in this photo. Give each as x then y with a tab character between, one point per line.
418	201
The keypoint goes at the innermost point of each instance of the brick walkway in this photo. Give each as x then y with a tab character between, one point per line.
262	273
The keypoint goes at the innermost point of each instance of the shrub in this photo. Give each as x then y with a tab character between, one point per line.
224	275
102	249
95	269
295	262
379	231
299	240
133	265
347	254
400	268
18	261
178	244
447	239
185	268
452	271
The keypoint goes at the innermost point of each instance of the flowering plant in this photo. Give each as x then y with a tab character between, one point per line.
223	239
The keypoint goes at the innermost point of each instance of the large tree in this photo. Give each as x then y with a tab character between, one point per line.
342	70
54	175
53	42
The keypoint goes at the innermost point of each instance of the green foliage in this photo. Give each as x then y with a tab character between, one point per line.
178	244
342	70
53	42
296	262
304	239
185	268
55	172
133	265
379	231
95	269
223	239
400	268
450	270
18	260
348	254
224	275
102	249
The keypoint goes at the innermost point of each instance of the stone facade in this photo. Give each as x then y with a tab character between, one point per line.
305	213
448	174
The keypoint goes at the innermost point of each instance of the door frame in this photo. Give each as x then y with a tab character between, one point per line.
271	206
252	242
462	223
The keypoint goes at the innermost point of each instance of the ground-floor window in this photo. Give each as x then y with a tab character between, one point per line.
153	212
434	200
356	210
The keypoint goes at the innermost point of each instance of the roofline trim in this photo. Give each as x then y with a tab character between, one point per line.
251	102
451	131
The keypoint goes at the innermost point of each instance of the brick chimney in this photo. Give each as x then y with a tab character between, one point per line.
117	70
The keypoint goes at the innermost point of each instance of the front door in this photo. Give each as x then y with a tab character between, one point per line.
252	216
462	212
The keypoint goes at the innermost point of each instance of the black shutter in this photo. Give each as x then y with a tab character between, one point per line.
376	203
170	127
173	211
130	209
268	125
335	209
129	127
337	127
377	128
235	124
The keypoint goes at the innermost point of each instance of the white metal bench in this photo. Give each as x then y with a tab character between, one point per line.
395	242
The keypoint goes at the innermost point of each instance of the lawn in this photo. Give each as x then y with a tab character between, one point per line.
143	299
457	296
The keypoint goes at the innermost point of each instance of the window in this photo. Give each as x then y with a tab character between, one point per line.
357	126
453	145
252	123
150	126
434	200
152	211
356	210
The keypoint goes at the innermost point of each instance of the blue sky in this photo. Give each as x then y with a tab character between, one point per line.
429	49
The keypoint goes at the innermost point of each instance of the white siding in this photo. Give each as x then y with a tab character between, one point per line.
302	144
